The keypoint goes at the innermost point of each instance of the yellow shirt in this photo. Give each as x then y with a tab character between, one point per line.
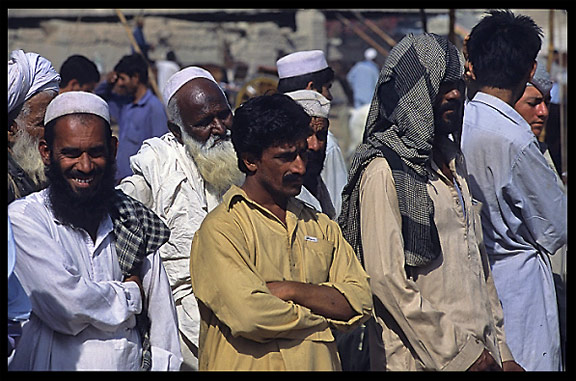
241	246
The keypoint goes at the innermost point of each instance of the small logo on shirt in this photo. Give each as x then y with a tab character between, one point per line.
311	239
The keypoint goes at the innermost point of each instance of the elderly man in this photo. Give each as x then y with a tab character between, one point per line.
32	84
182	176
409	215
88	256
271	274
309	70
524	210
314	190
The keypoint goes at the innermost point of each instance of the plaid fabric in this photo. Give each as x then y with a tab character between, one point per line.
138	232
400	128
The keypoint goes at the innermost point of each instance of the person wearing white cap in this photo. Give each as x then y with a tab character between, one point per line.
362	77
182	176
88	256
32	84
314	191
309	70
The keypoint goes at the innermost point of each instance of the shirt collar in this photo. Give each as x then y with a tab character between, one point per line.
147	95
501	106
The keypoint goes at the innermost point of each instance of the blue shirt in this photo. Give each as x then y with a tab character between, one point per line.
136	122
524	219
363	78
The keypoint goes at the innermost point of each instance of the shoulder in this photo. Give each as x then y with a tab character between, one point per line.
32	207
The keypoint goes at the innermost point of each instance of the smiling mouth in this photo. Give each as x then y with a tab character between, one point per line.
83	183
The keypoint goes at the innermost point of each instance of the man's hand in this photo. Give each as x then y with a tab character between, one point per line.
485	363
512	366
322	300
136	279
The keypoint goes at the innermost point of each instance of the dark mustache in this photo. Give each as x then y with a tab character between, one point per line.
292	178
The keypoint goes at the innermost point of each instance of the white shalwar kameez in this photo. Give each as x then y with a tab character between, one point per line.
83	313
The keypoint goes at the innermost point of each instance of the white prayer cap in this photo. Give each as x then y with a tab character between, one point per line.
314	103
179	79
76	102
299	63
28	74
370	54
541	80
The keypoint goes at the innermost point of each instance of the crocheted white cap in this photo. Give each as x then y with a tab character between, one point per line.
314	103
300	63
179	79
76	102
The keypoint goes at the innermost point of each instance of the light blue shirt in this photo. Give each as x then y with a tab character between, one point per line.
363	78
524	219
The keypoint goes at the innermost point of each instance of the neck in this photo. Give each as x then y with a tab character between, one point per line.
275	204
510	96
140	91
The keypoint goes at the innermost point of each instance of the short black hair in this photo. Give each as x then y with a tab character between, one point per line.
133	64
502	48
268	121
80	68
318	78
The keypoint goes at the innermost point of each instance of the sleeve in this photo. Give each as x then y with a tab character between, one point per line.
432	338
63	298
535	193
227	283
349	278
164	339
335	172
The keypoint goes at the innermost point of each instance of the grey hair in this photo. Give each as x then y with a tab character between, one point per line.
173	113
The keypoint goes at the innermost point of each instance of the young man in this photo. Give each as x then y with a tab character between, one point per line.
78	74
182	176
309	70
87	256
409	215
271	274
139	113
524	211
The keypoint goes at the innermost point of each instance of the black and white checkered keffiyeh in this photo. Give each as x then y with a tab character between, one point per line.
400	128
138	232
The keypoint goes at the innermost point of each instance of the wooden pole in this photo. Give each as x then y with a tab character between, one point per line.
362	35
376	29
151	76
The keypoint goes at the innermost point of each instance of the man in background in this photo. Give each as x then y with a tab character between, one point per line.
78	74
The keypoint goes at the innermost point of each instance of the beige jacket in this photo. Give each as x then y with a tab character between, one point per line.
442	316
241	246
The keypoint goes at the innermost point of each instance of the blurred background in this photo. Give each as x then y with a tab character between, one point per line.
240	46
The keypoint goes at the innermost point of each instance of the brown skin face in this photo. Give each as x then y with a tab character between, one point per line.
534	109
33	121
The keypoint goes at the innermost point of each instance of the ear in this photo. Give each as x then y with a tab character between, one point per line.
533	70
113	145
250	161
469	71
44	151
12	129
310	86
176	131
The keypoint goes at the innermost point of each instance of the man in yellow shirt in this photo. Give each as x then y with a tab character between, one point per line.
271	274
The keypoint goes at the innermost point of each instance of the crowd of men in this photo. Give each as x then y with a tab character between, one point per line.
207	238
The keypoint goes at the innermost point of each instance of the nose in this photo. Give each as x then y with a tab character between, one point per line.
542	110
454	94
313	143
219	127
299	165
84	163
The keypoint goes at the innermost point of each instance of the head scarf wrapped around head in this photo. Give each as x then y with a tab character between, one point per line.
400	128
28	74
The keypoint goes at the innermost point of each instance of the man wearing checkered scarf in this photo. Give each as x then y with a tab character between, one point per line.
408	213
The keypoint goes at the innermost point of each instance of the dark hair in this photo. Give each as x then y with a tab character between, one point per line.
318	78
49	128
502	49
80	68
133	64
268	121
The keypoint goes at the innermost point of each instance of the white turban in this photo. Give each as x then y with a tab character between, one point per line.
314	103
76	102
179	79
28	74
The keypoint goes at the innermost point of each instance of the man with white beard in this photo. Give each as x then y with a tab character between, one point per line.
32	84
181	177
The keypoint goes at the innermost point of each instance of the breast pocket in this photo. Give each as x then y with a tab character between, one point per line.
318	256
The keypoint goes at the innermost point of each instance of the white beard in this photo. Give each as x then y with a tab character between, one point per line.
25	152
217	164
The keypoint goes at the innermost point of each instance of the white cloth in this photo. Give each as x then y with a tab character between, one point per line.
176	81
299	63
314	103
75	102
167	181
28	74
334	175
83	313
164	70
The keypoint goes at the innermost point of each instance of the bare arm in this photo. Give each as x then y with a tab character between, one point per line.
322	300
